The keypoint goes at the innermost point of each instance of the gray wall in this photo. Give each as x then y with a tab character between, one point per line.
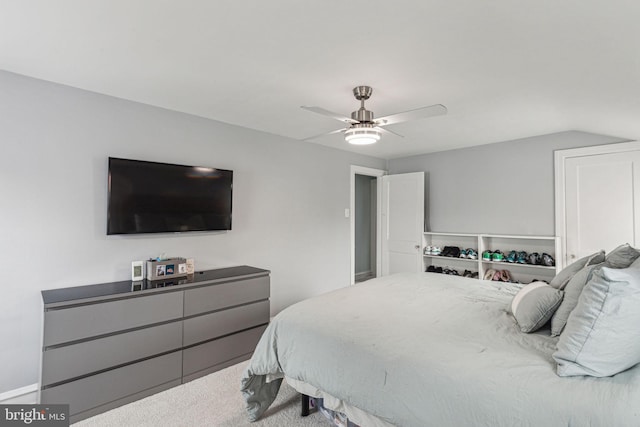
288	207
505	188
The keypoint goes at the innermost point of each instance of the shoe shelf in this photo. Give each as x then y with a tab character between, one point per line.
447	258
520	272
505	264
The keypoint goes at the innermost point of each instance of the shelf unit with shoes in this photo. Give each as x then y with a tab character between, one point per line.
446	261
520	267
509	260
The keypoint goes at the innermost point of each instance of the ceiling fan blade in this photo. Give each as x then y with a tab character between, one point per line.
328	113
418	113
383	130
324	134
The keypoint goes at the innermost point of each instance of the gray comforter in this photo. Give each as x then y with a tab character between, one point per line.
432	350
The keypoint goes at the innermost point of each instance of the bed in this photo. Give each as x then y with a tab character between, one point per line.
427	349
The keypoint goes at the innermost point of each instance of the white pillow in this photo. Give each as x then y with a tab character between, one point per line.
534	305
572	292
562	278
602	335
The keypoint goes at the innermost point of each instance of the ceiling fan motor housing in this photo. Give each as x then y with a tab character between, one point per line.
362	115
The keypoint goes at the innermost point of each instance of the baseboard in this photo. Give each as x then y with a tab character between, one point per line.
27	395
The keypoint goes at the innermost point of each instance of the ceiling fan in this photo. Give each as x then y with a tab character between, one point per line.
362	128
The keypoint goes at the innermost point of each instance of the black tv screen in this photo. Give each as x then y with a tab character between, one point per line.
149	197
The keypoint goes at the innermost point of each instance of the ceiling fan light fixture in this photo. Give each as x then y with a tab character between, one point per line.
361	136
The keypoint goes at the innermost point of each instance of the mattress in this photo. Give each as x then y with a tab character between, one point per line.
426	349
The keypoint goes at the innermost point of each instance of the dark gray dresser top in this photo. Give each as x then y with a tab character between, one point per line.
79	294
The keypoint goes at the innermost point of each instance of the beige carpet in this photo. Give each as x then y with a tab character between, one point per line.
214	400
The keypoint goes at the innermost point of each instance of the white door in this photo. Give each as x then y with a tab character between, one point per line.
402	222
601	201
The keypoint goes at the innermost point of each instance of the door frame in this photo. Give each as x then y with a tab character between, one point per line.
560	158
378	173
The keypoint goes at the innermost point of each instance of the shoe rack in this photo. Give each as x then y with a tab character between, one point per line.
523	273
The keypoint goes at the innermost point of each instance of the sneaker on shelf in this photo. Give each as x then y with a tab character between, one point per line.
438	269
472	253
489	274
467	273
535	258
431	269
512	257
435	250
475	275
548	260
454	272
454	252
427	250
463	253
522	258
505	276
497	256
486	256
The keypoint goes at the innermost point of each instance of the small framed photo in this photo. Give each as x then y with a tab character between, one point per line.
137	270
170	269
160	269
182	268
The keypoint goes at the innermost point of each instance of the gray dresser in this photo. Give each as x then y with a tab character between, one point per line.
109	344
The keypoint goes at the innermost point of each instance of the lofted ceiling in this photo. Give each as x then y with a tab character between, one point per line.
505	69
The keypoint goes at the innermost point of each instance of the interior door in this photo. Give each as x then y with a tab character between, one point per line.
602	202
402	222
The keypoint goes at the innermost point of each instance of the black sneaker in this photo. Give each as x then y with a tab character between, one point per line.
534	258
548	260
431	269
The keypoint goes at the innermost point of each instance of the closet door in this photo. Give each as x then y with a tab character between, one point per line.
402	222
600	199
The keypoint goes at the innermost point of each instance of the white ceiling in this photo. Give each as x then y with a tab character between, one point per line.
505	69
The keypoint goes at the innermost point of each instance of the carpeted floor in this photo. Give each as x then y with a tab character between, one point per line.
214	400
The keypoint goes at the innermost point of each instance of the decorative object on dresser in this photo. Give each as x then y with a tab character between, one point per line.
109	344
137	270
166	268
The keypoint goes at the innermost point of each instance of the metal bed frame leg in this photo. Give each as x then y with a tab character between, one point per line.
305	405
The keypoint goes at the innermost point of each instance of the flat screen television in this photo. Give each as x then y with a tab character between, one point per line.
150	197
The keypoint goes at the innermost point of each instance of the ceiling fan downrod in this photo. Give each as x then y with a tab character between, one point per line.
362	93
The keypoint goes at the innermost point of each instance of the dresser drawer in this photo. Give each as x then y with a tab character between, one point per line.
100	389
64	363
70	324
215	297
209	326
221	350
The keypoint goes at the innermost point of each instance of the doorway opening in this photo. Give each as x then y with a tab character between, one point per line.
365	218
365	223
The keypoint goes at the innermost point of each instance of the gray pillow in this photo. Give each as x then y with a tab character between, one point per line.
622	256
602	337
562	278
572	292
534	305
